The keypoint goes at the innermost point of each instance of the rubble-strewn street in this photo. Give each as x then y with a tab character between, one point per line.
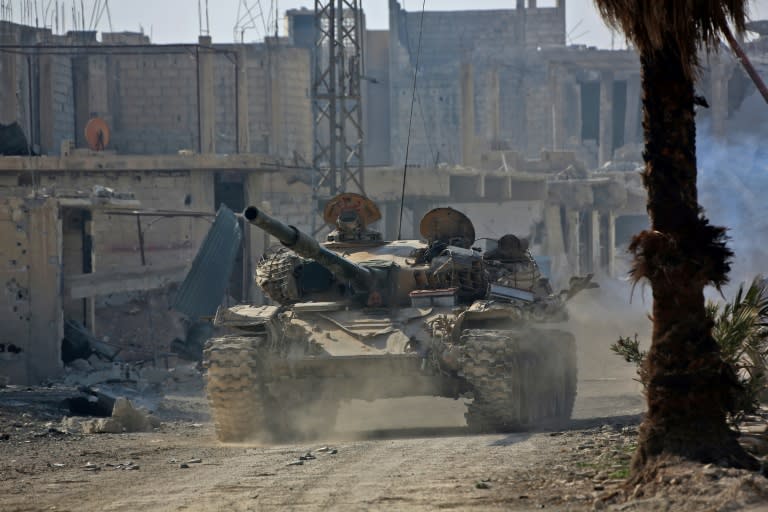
48	464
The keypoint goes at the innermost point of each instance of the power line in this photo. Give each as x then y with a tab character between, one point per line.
410	120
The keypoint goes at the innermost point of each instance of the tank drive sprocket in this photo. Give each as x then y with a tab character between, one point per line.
521	378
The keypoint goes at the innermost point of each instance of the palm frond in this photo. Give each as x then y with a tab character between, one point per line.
688	25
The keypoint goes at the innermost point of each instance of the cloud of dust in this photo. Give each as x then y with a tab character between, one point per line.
733	178
599	317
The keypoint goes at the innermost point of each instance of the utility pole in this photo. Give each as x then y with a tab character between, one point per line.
336	97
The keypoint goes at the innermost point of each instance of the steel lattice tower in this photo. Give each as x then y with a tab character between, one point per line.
336	97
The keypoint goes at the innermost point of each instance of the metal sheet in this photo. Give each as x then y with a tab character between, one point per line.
203	289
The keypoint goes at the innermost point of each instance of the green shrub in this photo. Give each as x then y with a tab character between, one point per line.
741	330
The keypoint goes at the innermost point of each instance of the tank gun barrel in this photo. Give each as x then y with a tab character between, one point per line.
307	247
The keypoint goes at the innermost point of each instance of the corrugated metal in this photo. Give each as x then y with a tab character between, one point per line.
203	289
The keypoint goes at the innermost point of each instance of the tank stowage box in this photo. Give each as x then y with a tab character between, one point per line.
357	317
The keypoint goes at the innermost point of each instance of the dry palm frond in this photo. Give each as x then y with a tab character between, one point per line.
685	24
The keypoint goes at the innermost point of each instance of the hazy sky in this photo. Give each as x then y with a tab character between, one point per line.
172	21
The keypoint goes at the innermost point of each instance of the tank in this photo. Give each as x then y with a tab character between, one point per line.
357	317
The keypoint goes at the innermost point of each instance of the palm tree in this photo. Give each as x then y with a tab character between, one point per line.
689	389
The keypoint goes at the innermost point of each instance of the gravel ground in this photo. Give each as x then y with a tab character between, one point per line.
390	455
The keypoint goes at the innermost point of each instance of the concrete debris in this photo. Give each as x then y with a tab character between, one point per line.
124	466
90	466
132	419
125	418
101	426
483	484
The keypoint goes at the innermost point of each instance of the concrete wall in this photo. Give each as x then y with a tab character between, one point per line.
30	305
156	99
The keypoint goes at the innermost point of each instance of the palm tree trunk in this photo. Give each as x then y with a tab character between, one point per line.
689	388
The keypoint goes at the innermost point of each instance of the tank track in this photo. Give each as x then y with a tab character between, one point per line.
231	384
521	378
250	401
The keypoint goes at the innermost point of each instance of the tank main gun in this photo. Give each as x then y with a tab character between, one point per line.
304	245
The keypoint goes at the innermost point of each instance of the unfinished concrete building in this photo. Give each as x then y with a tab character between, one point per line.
508	122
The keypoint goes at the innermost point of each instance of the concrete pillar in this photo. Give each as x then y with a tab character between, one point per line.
243	134
554	243
467	114
275	101
46	313
611	242
594	241
206	101
632	124
573	226
605	151
494	101
718	95
558	107
531	4
46	79
9	106
521	23
89	79
80	93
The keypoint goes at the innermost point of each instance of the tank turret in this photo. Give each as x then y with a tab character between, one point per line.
362	278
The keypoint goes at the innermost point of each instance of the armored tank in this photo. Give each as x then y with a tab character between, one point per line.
357	317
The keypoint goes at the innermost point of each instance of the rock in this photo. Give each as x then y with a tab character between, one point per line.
80	365
323	449
754	445
4	437
195	461
307	456
482	484
183	466
711	471
296	463
90	466
132	419
598	487
101	426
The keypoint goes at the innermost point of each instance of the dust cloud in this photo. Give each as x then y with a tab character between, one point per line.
597	319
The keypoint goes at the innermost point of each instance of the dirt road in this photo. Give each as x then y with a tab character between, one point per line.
408	454
392	455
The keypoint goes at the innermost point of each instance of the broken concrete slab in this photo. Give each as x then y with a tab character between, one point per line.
132	419
102	426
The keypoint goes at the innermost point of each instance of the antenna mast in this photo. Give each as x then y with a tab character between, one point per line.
336	97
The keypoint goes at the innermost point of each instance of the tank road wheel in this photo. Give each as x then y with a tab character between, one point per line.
232	388
521	378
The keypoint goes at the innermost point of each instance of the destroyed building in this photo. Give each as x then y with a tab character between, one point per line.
509	123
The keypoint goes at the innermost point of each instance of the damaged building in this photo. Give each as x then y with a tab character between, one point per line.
519	130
